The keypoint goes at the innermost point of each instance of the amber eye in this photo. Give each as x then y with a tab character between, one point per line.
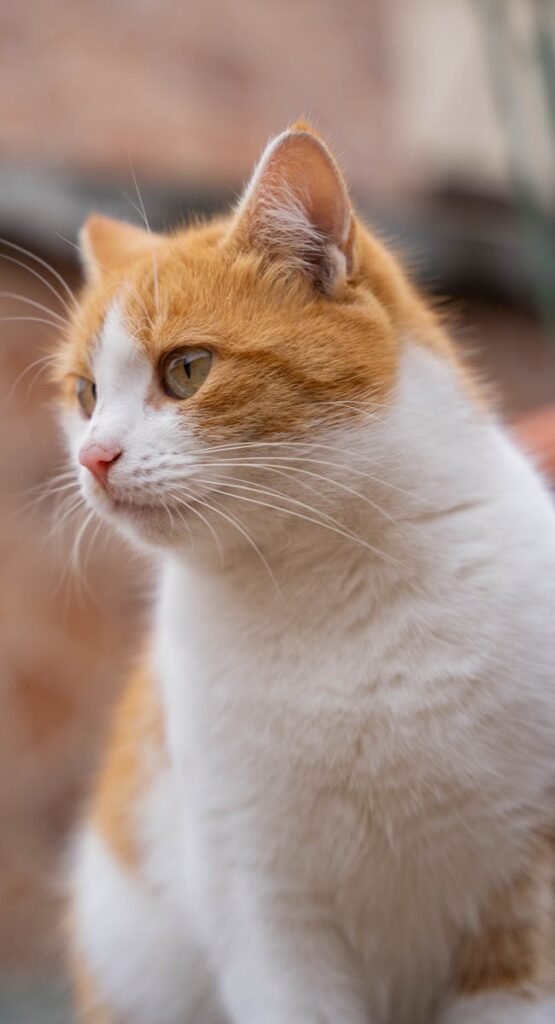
86	395
184	371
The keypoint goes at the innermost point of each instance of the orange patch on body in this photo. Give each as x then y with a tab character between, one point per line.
87	1002
135	749
514	948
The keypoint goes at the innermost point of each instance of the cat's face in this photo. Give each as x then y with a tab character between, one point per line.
200	366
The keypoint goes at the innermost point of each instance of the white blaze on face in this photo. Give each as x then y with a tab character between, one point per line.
122	374
123	419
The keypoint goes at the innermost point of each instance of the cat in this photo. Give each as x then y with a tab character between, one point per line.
327	797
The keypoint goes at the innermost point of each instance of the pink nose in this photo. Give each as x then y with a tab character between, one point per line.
98	458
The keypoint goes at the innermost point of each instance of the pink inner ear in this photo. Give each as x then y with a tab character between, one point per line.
304	168
296	190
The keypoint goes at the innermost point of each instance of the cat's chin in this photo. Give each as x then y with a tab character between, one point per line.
152	525
149	523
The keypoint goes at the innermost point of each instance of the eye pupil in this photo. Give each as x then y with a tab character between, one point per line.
93	390
183	372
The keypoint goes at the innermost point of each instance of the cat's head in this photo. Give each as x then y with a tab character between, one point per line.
203	365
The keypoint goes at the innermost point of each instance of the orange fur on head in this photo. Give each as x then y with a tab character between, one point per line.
300	305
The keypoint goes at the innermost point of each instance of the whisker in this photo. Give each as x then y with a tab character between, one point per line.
46	494
342	486
347	534
168	511
208	524
31	319
73	507
91	545
106	270
296	444
246	535
36	305
183	519
43	362
43	263
44	484
147	225
247	485
305	447
278	462
74	558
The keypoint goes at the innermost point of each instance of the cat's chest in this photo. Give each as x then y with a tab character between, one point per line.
360	755
385	704
324	741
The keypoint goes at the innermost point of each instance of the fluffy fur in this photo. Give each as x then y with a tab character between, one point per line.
328	793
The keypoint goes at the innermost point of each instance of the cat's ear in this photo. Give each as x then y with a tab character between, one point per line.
108	244
296	208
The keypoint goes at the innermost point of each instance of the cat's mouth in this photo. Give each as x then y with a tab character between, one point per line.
158	517
162	513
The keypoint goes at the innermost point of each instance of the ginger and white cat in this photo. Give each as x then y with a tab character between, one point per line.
328	796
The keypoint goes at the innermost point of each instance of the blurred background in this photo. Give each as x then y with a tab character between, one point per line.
443	115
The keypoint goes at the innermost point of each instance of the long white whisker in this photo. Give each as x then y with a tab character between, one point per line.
248	485
206	522
342	486
168	511
183	518
31	319
73	507
90	547
43	362
147	225
106	270
305	447
67	568
49	493
36	305
46	484
246	535
35	273
74	559
317	522
279	462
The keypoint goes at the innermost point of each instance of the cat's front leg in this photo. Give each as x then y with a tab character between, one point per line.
281	973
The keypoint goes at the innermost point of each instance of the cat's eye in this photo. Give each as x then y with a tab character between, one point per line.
184	371
86	395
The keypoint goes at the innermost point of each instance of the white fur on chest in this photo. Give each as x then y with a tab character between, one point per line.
378	735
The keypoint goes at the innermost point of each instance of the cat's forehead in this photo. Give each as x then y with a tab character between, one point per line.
181	300
117	357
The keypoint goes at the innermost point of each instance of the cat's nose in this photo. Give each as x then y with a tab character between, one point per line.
98	458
